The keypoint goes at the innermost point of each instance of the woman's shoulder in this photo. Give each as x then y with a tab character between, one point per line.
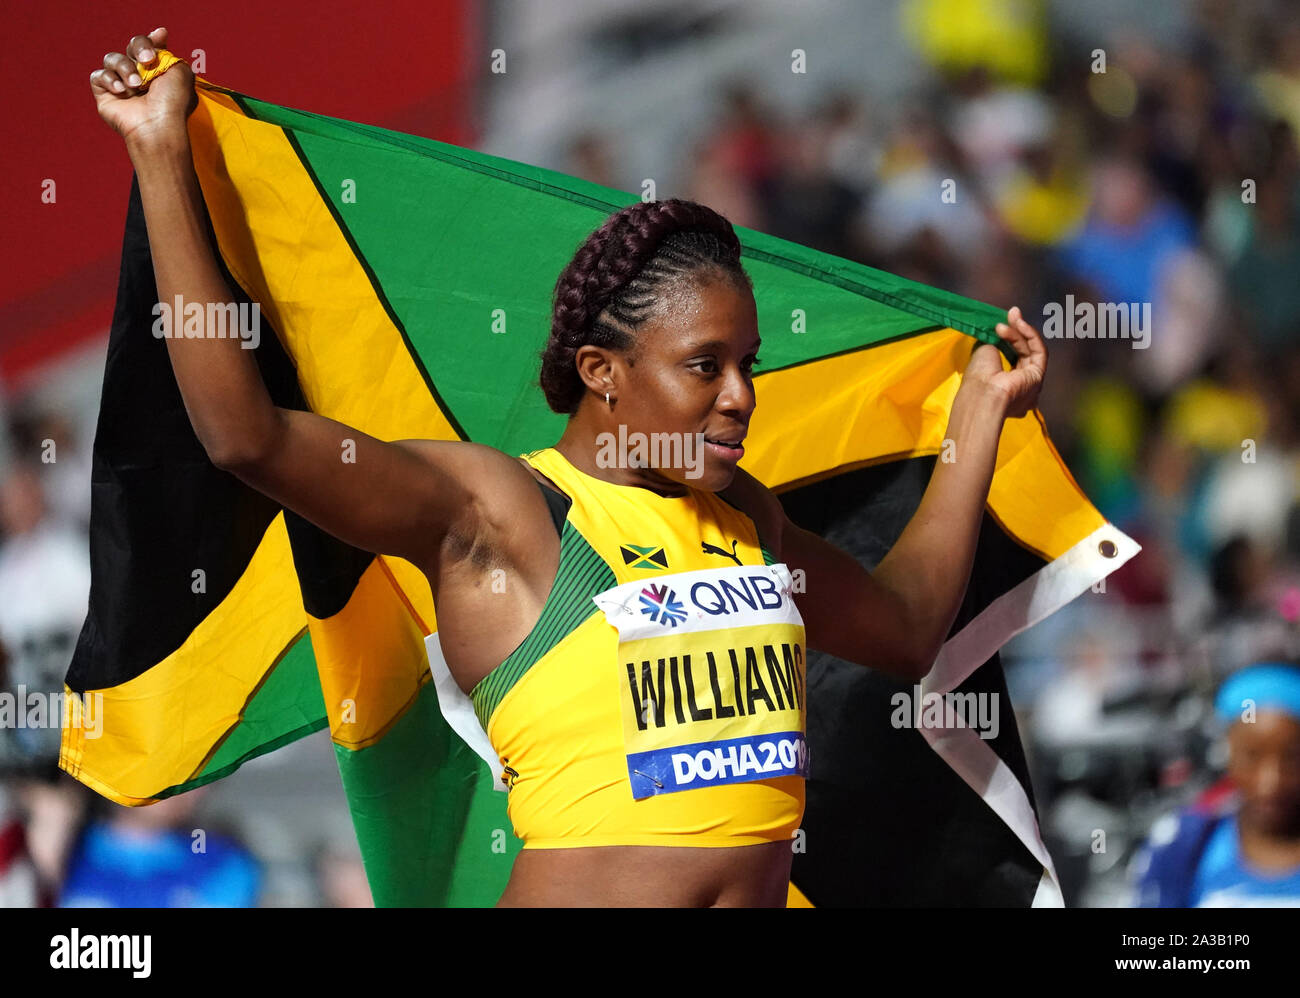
761	505
498	485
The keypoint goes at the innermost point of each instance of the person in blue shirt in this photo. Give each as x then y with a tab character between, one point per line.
1130	237
1242	848
153	857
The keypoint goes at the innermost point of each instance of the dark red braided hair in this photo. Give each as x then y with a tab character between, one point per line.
620	275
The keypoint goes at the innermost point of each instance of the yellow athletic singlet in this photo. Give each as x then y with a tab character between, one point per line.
660	698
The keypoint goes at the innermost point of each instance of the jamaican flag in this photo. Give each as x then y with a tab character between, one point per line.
404	288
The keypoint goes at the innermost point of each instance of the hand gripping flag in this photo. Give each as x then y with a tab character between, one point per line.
404	288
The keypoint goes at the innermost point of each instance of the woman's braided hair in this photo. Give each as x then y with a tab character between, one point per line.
619	277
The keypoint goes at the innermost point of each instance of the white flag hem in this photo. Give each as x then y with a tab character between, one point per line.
458	709
1037	597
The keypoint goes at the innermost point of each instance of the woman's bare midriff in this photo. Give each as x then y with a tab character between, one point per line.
754	876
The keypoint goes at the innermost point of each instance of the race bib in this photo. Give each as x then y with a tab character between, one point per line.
711	677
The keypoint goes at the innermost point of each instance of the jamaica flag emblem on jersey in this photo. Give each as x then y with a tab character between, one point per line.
644	556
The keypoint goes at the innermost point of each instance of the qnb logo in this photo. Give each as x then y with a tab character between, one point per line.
661	605
757	592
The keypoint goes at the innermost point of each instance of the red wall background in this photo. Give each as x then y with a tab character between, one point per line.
400	64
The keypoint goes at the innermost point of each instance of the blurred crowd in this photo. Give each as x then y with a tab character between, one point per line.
1037	169
1031	169
60	843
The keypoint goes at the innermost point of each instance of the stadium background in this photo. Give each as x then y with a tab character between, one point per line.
1125	185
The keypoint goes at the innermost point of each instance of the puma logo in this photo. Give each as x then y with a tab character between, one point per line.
711	549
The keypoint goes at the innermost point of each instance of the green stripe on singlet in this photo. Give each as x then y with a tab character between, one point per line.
767	556
582	574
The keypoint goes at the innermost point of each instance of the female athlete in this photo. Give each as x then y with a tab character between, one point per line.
636	777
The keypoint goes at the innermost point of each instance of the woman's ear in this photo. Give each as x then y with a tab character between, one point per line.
596	368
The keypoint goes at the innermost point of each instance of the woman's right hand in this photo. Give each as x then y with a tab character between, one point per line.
136	111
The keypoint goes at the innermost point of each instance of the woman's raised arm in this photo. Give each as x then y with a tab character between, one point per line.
397	498
897	618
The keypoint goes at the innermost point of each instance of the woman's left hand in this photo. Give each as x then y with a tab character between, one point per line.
1019	386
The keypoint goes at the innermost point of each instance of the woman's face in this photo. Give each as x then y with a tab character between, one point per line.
689	377
1264	762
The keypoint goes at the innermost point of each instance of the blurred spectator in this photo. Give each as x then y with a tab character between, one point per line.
1239	844
591	159
732	168
1010	39
993	126
714	181
1111	422
1278	82
64	464
1263	275
1041	194
807	203
745	138
852	150
1219	411
1252	498
44	589
1245	625
154	857
341	874
1100	667
1130	236
18	882
926	216
52	807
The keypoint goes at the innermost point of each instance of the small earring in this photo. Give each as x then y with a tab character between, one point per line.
607	400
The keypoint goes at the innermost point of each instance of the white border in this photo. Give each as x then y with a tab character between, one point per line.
1040	595
458	709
